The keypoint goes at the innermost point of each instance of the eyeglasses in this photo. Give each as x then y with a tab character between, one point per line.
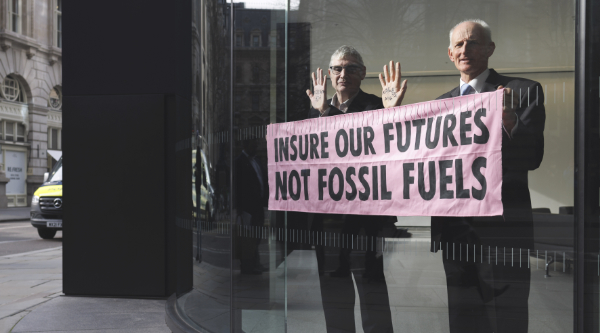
351	69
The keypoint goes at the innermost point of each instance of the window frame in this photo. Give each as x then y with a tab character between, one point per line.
57	32
13	16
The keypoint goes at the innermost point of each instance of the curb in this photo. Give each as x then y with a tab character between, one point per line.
19	219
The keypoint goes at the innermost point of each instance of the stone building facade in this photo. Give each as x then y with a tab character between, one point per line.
30	95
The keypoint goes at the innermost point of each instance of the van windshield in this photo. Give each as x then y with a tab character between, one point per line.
56	173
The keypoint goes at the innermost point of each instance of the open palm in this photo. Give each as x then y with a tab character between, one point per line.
392	92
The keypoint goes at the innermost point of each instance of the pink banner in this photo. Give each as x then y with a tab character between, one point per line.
437	158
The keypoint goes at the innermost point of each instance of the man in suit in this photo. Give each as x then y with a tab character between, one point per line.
337	264
251	196
489	293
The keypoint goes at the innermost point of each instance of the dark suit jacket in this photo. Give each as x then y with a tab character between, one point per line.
248	195
362	102
521	152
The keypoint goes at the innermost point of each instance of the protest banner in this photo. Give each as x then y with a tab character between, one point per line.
436	158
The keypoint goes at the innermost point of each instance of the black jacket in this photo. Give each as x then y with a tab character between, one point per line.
521	152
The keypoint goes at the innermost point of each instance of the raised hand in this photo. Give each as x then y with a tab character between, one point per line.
318	99
509	115
392	92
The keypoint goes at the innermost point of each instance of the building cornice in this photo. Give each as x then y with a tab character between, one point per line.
9	39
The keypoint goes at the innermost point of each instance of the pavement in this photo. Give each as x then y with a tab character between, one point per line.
31	300
14	214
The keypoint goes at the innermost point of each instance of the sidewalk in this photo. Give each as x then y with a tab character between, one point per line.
14	214
31	301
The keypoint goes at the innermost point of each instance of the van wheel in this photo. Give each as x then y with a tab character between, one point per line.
46	233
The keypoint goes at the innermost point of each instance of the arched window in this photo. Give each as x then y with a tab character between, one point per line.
55	99
12	90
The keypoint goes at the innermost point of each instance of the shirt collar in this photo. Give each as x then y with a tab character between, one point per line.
344	105
478	82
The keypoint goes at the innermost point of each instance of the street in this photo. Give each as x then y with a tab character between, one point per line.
19	237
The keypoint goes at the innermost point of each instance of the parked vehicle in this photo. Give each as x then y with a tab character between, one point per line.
47	203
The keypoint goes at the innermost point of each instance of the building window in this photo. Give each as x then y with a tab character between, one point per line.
255	73
10	130
55	100
20	133
239	39
14	15
54	139
11	89
58	23
255	39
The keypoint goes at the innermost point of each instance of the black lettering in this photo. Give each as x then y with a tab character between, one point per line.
356	151
480	162
385	194
387	136
425	194
283	149
336	196
305	173
418	124
304	155
324	145
369	140
485	134
408	179
464	128
281	185
314	144
375	183
449	124
403	147
445	180
322	183
436	138
341	134
461	193
276	151
351	171
361	176
294	176
294	155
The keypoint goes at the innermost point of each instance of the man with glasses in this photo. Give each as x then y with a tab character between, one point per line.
338	265
347	70
490	292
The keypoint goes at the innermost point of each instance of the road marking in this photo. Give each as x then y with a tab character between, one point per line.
27	226
30	252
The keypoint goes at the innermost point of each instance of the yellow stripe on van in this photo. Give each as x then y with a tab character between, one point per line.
49	191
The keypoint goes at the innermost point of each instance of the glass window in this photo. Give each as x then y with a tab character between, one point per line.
15	15
323	272
239	39
10	128
20	133
55	99
12	89
58	23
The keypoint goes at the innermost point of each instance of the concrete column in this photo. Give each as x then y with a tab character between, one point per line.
38	138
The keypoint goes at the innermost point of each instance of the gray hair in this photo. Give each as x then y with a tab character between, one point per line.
487	32
344	52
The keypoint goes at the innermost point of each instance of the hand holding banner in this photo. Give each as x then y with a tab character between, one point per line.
437	158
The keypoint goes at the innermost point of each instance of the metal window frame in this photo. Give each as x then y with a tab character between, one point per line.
587	157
